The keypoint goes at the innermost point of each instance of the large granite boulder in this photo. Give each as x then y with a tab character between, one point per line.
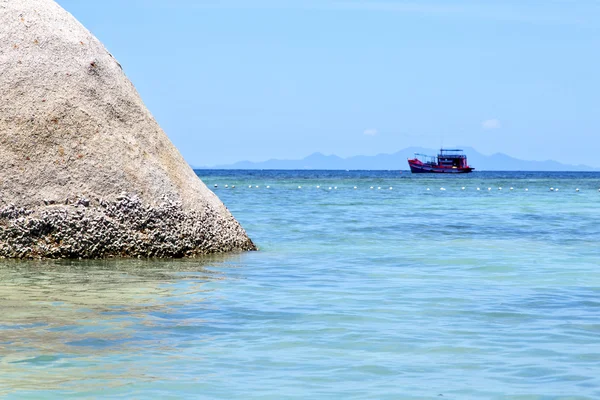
85	169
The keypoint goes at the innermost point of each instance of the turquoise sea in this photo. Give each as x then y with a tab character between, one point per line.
395	292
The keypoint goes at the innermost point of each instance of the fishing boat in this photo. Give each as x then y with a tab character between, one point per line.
448	161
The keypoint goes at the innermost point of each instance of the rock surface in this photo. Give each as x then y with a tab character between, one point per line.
86	170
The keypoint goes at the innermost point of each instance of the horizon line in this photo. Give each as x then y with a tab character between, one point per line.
232	164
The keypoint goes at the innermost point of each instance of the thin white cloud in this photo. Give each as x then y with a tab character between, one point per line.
404	6
370	132
491	124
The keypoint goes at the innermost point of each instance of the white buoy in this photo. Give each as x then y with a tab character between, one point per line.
428	189
354	187
511	188
552	189
268	187
318	187
329	187
216	185
378	187
249	186
577	190
526	189
499	188
478	189
489	188
462	188
335	187
232	186
256	186
372	188
556	190
391	188
226	186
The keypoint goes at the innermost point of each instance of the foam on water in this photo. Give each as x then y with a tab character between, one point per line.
402	293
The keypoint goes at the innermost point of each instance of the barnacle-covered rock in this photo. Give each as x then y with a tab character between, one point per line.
86	170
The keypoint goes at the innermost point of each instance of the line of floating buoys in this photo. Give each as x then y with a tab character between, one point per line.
443	189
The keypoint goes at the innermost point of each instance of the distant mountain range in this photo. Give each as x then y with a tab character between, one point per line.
396	161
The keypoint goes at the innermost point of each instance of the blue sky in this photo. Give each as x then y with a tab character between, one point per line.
235	80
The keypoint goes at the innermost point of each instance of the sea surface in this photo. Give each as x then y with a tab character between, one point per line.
405	287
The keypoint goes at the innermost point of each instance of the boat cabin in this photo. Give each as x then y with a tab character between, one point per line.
452	158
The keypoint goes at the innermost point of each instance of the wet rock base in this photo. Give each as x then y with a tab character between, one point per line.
121	228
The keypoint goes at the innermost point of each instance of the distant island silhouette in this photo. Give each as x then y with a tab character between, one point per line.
398	161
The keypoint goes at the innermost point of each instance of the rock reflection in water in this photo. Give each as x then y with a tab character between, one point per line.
94	311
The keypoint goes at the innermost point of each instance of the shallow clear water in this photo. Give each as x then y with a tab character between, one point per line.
356	293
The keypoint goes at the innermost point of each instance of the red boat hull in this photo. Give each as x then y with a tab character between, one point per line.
418	167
